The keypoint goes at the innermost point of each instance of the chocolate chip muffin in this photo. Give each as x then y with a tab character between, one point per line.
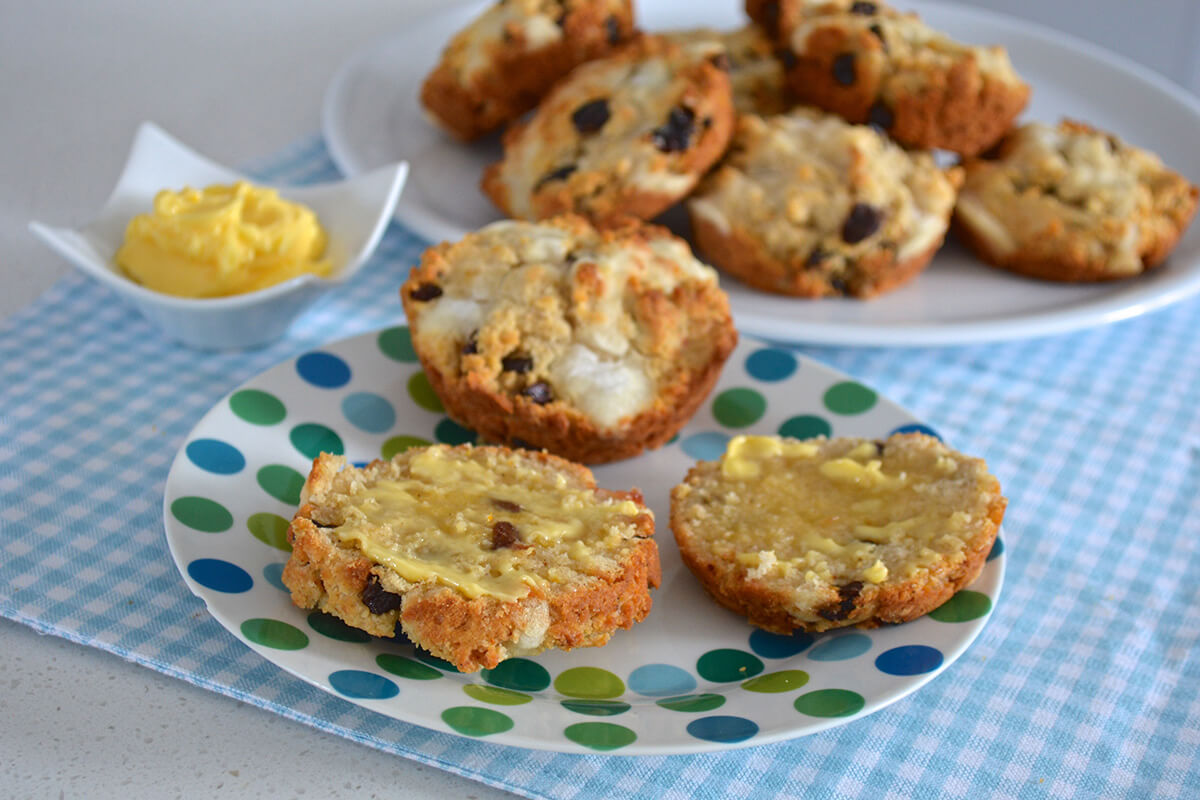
505	61
872	64
809	205
1071	203
826	533
626	135
476	554
593	344
748	55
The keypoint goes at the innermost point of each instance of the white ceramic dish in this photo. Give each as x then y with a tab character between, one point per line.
371	116
692	677
354	212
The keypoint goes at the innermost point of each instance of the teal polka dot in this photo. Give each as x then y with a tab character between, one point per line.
434	661
220	575
282	483
471	721
369	412
916	427
270	529
727	664
396	344
257	407
275	634
362	685
331	627
850	645
313	438
692	703
912	659
997	549
775	645
737	408
324	370
274	575
722	729
520	674
849	397
215	456
450	432
830	703
421	392
707	446
805	426
597	708
600	736
202	514
770	364
591	683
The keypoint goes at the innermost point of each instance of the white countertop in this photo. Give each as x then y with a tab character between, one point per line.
236	81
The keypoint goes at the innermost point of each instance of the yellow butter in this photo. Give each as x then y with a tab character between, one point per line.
220	241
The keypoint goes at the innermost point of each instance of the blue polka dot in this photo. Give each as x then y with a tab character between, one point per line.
372	413
323	369
220	576
850	645
916	427
362	685
213	455
997	549
722	729
274	575
659	680
912	659
708	446
774	645
771	365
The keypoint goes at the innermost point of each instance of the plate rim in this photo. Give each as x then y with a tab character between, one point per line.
509	738
1127	303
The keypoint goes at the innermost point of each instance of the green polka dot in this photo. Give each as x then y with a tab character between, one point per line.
849	397
499	697
728	665
450	432
737	408
256	407
333	628
275	634
270	529
396	344
597	708
398	444
406	667
805	426
202	514
471	721
963	607
519	674
773	682
282	483
692	703
591	683
600	735
313	438
830	703
422	393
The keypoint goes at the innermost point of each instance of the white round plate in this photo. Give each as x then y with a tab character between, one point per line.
371	116
692	677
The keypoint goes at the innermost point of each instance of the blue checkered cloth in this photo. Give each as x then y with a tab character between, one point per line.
1086	681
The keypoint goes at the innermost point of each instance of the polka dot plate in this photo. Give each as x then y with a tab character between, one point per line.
692	677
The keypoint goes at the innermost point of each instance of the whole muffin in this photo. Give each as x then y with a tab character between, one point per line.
626	135
809	205
593	344
1072	203
505	61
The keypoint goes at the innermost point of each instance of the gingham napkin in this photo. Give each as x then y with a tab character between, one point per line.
1085	682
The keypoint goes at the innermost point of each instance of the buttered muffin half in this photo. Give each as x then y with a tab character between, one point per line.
594	344
476	554
826	533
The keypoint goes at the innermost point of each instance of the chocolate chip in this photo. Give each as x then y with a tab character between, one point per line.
613	27
838	285
721	61
517	363
472	345
539	393
521	444
879	445
770	20
676	134
786	57
862	221
591	116
847	594
505	534
377	599
866	9
556	174
506	505
878	31
843	69
426	291
880	116
815	257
